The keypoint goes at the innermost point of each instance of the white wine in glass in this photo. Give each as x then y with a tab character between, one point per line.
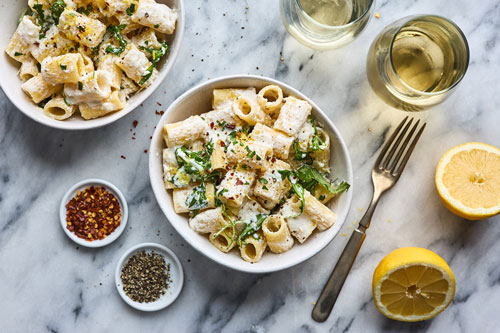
417	61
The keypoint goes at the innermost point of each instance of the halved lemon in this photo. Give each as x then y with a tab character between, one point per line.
468	180
412	284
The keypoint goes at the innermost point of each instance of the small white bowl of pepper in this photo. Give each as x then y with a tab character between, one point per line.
149	277
93	213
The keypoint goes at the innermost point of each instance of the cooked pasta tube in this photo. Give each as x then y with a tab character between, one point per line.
115	101
253	154
253	247
184	132
279	141
218	160
271	187
270	98
322	194
301	226
226	97
38	89
92	87
321	158
293	115
80	28
134	63
208	221
180	195
170	167
249	110
114	73
235	186
155	15
47	47
321	215
224	240
277	235
28	69
26	34
58	109
67	68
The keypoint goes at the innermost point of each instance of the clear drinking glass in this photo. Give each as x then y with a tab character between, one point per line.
417	61
325	24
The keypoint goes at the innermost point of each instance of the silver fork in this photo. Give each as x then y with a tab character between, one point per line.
385	174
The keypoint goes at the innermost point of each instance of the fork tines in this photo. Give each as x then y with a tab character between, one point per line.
385	161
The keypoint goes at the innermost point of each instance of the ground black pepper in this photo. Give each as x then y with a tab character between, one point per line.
145	277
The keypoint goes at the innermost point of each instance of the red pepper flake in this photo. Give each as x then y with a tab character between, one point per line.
135	123
212	125
231	126
93	213
160	113
239	182
221	143
158	103
145	151
122	156
150	137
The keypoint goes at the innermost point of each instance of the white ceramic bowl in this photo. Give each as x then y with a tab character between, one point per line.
176	277
198	100
80	186
11	84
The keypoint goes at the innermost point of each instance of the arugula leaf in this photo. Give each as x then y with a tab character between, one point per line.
252	227
316	142
299	190
309	175
300	155
44	102
41	20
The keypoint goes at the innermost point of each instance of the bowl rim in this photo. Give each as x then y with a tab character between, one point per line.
110	187
255	269
111	118
161	303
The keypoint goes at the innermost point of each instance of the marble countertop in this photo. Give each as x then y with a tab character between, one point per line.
49	284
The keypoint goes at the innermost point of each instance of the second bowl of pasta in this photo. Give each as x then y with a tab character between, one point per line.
251	173
84	64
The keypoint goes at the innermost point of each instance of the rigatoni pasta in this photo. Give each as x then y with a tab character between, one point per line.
267	190
99	53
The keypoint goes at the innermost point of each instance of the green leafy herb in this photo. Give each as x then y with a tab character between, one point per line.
39	67
156	55
115	31
63	67
322	197
221	192
197	199
250	153
40	19
300	155
131	10
308	174
252	227
230	223
44	102
317	143
263	181
17	54
264	187
66	101
299	190
84	10
156	26
80	85
56	9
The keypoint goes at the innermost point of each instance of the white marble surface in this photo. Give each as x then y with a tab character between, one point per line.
48	284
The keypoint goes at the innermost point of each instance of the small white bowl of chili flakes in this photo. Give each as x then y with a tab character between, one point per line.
93	213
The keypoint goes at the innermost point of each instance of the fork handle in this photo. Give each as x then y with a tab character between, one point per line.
331	291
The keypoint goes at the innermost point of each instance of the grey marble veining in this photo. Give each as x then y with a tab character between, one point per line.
48	284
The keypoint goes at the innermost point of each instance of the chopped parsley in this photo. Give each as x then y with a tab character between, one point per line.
84	10
156	55
197	198
80	85
39	67
63	67
263	181
131	10
66	101
115	31
56	9
252	227
44	102
156	26
17	54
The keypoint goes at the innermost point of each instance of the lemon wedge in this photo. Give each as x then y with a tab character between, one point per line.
412	284
468	180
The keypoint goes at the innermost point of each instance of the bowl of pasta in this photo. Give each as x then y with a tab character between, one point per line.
84	64
251	173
